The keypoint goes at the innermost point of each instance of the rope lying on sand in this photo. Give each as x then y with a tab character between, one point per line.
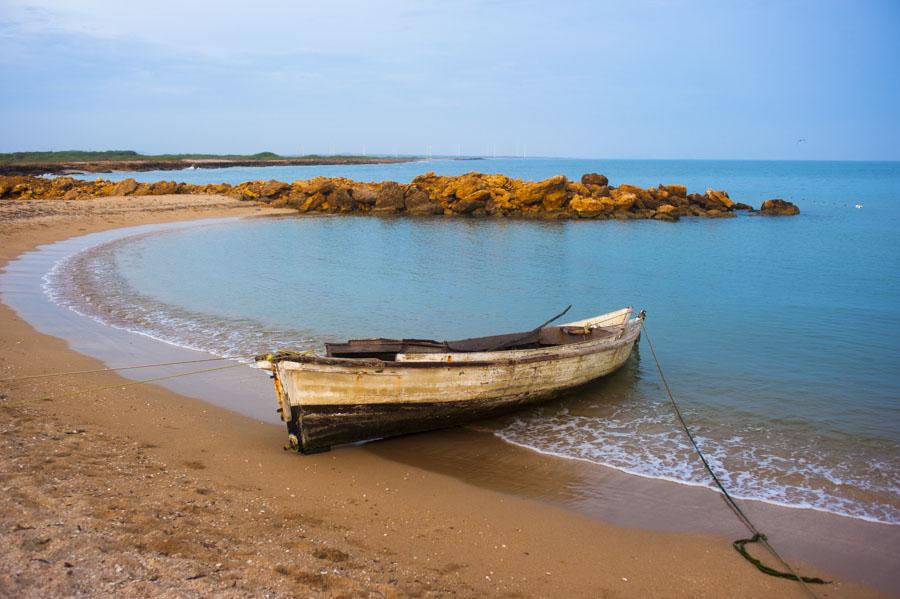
132	383
758	537
14	379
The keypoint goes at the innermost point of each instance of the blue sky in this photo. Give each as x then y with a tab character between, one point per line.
640	79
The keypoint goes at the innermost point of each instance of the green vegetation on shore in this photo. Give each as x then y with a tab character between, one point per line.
75	161
131	155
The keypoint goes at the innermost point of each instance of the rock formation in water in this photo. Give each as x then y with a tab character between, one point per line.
778	207
472	194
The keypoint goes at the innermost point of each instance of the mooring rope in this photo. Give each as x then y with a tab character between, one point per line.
102	388
758	537
15	379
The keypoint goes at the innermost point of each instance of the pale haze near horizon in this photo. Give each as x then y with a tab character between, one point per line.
646	79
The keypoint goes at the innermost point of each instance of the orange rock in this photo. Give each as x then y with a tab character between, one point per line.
22	191
679	191
218	188
389	198
474	201
574	187
496	181
312	203
720	197
599	191
670	217
364	195
164	188
472	193
623	198
430	184
594	179
502	199
465	186
552	191
555	201
272	189
125	187
341	201
643	198
778	207
63	183
590	207
418	203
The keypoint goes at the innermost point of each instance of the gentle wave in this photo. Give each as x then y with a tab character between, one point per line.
88	284
755	474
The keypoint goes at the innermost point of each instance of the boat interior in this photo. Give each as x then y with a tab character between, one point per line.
387	349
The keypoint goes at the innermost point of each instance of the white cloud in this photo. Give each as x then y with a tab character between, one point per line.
240	29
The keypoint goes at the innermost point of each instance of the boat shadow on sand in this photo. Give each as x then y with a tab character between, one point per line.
474	454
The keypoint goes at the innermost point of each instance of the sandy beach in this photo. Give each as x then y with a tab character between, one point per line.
137	491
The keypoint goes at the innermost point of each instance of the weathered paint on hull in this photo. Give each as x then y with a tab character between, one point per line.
333	401
325	426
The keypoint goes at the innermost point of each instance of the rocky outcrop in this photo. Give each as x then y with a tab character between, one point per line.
418	203
590	207
160	188
472	194
594	179
125	187
718	200
778	207
389	198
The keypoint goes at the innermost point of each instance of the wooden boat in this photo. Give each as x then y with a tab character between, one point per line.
373	388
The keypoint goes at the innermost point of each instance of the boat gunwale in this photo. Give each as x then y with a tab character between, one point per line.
546	354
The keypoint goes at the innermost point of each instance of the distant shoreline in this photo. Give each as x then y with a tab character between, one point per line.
67	163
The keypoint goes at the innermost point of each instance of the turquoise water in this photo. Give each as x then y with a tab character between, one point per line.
781	336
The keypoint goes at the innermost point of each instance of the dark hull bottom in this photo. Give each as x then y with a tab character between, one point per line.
317	428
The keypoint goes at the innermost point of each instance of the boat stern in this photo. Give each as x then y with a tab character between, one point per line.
291	415
288	414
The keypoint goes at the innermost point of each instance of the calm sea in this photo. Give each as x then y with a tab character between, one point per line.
780	336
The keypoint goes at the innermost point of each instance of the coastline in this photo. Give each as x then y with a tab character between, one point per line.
441	534
145	164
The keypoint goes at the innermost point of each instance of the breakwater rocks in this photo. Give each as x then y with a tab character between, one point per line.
472	194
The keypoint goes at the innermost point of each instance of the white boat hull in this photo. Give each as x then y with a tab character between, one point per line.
328	401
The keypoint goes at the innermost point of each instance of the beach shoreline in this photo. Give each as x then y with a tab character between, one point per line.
356	521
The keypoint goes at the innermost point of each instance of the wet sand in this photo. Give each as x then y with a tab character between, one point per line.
138	490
